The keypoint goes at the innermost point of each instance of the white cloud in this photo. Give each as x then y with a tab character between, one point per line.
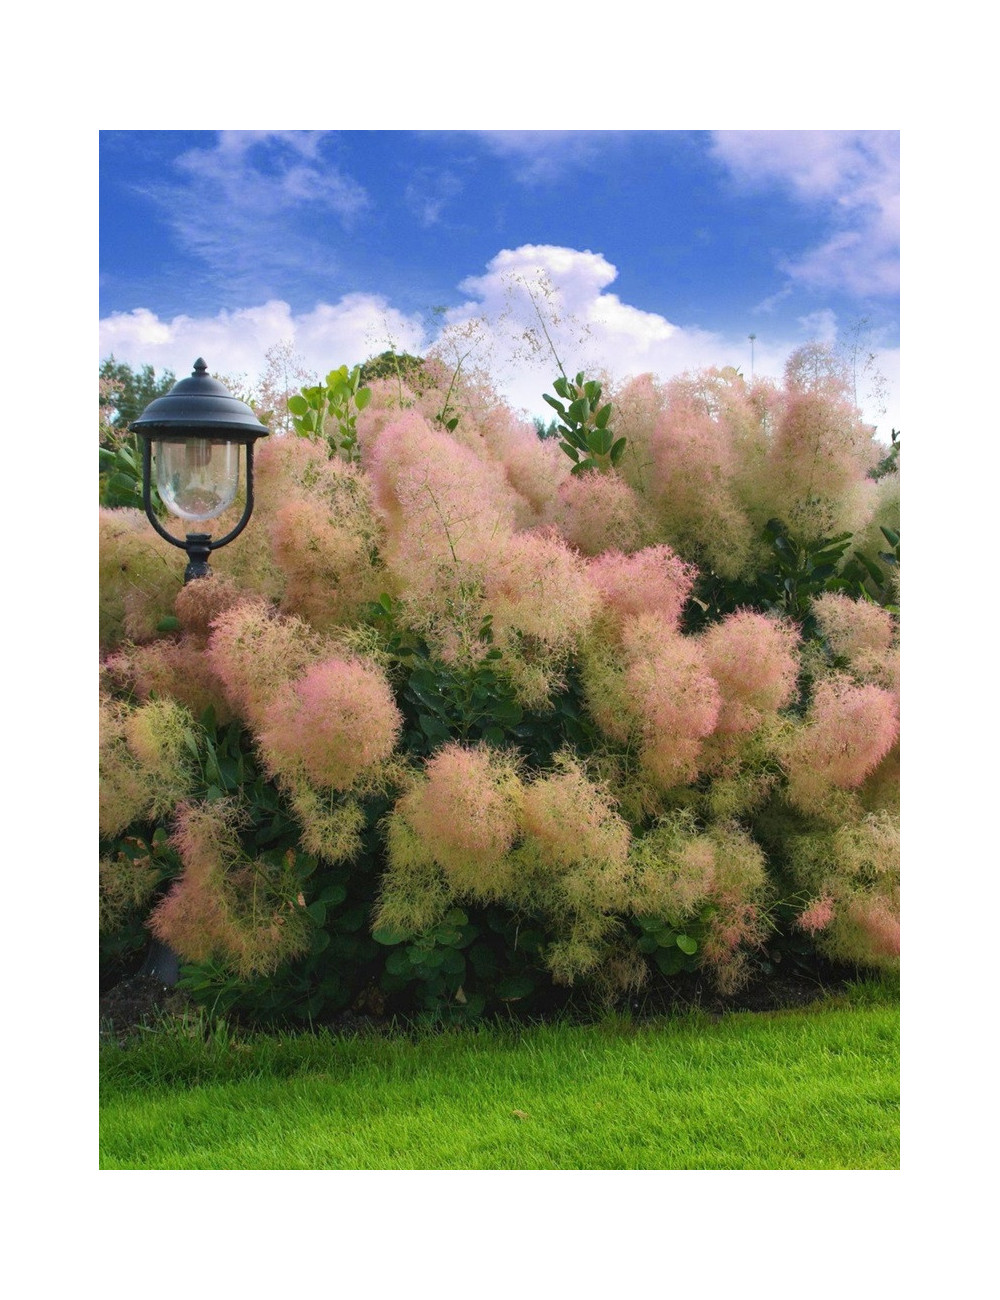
236	342
279	169
544	156
590	329
853	176
247	205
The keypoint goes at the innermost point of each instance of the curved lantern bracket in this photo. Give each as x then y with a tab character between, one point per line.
198	545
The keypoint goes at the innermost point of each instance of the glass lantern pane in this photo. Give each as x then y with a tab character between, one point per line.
197	479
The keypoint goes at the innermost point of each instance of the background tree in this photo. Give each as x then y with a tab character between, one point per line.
125	393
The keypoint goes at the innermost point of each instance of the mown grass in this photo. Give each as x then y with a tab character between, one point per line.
809	1089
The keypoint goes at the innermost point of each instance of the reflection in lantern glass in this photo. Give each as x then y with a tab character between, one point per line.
197	479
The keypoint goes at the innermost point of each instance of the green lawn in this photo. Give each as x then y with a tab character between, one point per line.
813	1089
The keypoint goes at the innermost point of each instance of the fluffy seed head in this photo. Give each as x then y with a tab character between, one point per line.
675	697
651	581
752	657
601	512
856	629
465	813
574	821
335	721
849	729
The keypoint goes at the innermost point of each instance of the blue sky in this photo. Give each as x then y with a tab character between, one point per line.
657	250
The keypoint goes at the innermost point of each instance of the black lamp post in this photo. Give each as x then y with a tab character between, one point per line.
198	429
195	432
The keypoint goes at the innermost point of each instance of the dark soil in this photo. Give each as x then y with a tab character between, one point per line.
140	1000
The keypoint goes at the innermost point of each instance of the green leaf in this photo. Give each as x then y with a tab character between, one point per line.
453	963
570	451
873	570
600	441
434	730
298	405
168	624
398	962
618	450
687	944
483	960
584	466
390	937
578	411
317	912
603	416
890	535
515	987
362	397
509	712
669	960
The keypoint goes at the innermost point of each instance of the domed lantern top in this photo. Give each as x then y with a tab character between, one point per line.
199	407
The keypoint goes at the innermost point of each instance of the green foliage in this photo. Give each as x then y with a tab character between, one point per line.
127	392
400	366
123	396
672	946
329	411
889	464
442	702
546	431
474	961
793	575
583	426
121	473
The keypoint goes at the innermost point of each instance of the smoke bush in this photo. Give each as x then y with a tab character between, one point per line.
332	723
651	581
674	868
139	578
463	808
597	513
457	581
738	894
145	764
848	730
255	653
225	905
198	604
694	472
178	670
637	408
816	473
574	821
331	823
853	627
674	696
126	886
852	872
752	658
